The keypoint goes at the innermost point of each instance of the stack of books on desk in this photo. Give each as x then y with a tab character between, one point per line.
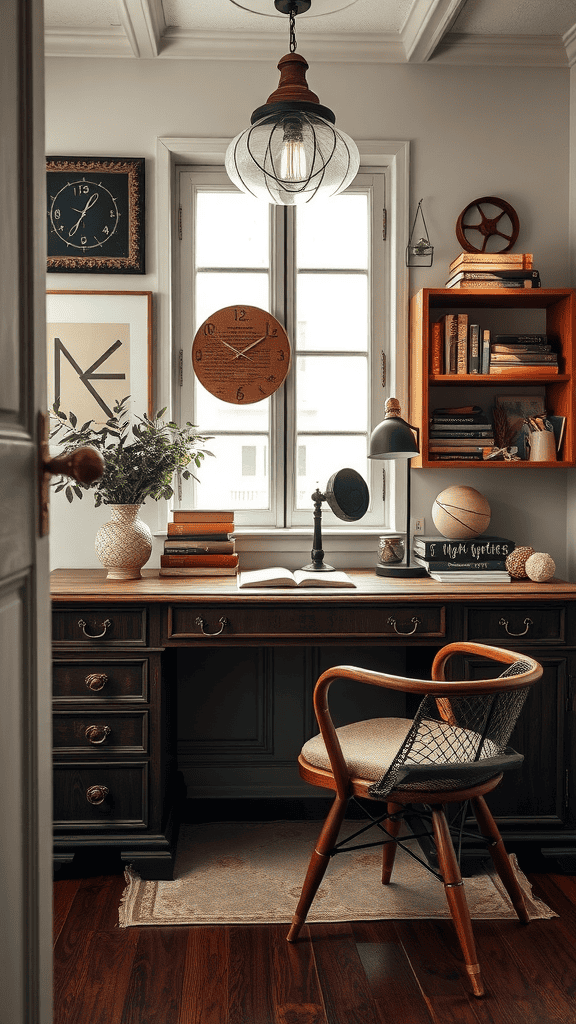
479	560
200	543
493	270
460	433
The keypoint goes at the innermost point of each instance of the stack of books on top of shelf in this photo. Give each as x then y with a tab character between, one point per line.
493	270
459	434
523	355
479	560
200	543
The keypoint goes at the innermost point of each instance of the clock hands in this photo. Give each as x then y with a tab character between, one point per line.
235	350
93	199
244	350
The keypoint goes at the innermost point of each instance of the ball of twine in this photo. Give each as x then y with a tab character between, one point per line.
516	562
540	567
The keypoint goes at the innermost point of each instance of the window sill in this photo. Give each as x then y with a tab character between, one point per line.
344	547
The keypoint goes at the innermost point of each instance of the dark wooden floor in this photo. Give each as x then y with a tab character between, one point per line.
406	972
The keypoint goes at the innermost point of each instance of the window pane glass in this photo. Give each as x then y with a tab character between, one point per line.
231	230
214	291
333	234
331	393
325	456
235	479
213	414
332	312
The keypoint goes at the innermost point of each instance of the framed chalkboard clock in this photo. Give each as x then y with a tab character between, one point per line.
95	211
241	354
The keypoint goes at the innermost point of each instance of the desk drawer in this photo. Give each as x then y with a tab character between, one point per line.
516	623
113	732
101	626
304	621
101	795
100	680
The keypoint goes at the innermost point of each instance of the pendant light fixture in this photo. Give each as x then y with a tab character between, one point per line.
292	151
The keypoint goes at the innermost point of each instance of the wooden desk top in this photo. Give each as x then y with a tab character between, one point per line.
68	585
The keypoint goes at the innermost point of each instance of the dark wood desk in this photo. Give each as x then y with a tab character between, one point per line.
115	645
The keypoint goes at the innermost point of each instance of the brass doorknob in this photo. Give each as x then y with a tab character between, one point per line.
84	465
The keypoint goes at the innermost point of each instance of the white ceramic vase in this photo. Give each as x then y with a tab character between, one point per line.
124	544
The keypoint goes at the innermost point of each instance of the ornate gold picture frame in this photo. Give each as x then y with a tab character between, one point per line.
95	208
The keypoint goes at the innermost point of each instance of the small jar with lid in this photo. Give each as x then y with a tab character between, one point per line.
390	550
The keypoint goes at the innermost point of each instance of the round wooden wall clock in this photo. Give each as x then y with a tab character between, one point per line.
241	354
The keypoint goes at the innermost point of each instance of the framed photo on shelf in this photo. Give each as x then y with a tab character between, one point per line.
99	350
96	214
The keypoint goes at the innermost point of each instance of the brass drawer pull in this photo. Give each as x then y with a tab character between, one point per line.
97	794
97	733
94	636
408	632
223	622
96	681
527	622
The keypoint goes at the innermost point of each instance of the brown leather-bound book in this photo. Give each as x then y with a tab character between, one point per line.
199	529
198	561
524	371
200	515
437	347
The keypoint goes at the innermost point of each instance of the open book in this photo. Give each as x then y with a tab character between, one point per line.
278	577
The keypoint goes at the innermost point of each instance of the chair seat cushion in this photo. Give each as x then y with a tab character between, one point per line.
370	747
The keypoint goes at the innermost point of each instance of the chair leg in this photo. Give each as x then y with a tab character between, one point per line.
318	864
454	889
500	858
389	849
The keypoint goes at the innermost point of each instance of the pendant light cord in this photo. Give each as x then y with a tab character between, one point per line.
292	15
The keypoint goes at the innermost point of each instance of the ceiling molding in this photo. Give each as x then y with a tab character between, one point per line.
501	50
346	48
79	42
569	40
143	22
425	27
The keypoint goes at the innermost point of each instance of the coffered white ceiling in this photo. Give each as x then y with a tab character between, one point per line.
504	32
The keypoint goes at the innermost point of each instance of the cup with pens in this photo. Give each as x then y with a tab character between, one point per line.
540	440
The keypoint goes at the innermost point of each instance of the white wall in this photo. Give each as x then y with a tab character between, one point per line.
473	132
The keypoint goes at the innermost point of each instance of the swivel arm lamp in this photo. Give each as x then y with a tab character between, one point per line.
393	439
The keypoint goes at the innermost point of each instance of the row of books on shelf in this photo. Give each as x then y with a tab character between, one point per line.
200	543
460	347
478	560
475	270
459	434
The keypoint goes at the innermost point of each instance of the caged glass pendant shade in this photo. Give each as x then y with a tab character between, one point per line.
292	151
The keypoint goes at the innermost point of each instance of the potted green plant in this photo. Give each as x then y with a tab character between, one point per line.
141	456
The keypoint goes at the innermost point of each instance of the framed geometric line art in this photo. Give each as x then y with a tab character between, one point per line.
95	211
99	350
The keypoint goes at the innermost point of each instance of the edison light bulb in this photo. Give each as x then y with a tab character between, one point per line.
293	153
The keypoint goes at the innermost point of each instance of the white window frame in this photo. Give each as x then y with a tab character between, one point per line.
393	156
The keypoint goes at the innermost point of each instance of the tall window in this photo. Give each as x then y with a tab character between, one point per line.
319	270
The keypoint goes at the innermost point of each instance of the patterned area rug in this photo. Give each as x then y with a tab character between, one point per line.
252	873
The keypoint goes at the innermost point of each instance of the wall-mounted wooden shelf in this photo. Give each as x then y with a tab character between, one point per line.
554	312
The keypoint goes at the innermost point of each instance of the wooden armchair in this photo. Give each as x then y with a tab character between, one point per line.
455	749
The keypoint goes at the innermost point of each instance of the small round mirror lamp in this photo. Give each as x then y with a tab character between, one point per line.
348	497
292	151
394	438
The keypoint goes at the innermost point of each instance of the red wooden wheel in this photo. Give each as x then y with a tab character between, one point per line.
488	226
